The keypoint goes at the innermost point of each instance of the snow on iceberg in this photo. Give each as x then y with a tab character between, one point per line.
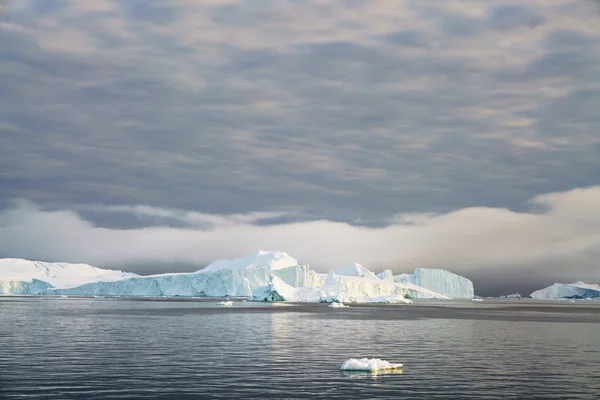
440	281
580	290
368	364
272	259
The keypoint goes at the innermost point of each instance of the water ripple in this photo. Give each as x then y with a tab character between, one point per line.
123	349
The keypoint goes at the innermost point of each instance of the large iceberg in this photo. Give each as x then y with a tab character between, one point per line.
339	288
234	282
440	281
577	290
270	276
20	276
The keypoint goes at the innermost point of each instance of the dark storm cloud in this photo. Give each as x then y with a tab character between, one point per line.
348	111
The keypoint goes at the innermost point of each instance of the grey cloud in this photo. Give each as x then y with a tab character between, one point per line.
515	251
249	110
508	16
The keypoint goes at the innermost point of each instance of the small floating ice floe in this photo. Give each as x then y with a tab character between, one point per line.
369	365
476	299
337	305
228	303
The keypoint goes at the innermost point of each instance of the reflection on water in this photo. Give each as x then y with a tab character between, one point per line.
56	348
370	374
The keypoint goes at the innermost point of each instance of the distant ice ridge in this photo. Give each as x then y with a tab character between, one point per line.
368	364
273	259
579	290
440	281
25	275
268	276
511	296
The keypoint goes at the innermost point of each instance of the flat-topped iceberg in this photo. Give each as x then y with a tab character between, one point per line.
577	290
440	281
368	364
23	276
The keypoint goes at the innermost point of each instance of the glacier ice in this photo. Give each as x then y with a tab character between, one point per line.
568	290
337	288
272	259
511	296
33	287
234	282
355	269
386	275
337	305
57	275
267	276
368	364
440	281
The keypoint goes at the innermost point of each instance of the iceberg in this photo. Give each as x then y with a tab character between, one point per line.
440	281
232	282
577	290
32	287
20	276
511	296
368	364
337	289
263	275
337	305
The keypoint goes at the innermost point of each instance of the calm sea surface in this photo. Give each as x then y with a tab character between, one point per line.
71	348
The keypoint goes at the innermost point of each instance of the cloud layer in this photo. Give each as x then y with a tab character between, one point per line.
559	239
345	110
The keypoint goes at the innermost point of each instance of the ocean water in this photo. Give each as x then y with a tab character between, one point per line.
108	348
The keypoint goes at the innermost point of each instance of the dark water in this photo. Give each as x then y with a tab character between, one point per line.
59	348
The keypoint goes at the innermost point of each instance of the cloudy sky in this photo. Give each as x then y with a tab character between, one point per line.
153	135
